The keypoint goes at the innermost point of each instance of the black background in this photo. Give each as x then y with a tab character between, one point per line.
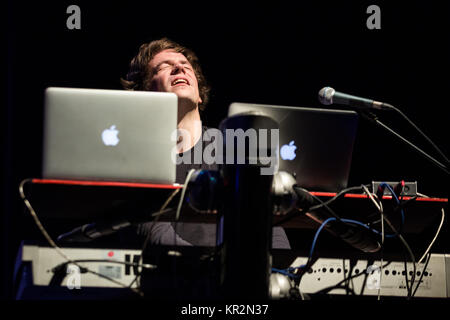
260	52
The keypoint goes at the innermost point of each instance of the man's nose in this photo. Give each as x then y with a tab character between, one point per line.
178	67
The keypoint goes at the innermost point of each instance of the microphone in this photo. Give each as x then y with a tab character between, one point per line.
120	217
355	235
287	195
92	231
328	95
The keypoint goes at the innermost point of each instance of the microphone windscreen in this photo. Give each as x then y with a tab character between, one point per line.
326	95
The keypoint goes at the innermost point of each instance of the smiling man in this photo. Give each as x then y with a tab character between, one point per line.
171	72
166	66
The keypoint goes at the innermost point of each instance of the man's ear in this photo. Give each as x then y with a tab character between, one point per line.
200	101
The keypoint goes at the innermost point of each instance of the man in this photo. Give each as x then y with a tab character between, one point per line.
163	65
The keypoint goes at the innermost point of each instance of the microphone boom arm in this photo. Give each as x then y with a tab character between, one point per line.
373	118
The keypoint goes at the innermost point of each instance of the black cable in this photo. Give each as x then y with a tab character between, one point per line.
381	259
326	207
395	210
346	279
420	131
402	206
144	247
309	263
373	118
157	215
413	260
291	215
294	213
52	242
408	249
321	204
381	211
348	290
133	264
311	260
60	270
338	195
408	287
366	275
423	271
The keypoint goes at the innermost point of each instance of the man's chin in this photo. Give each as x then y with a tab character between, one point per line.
187	102
182	90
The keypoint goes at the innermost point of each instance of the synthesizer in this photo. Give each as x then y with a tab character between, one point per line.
43	260
361	277
335	276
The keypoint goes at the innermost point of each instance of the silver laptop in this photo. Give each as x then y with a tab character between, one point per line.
316	145
109	135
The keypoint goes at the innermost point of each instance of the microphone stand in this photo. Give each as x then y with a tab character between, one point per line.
374	119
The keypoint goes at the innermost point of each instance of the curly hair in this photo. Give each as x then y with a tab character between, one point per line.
138	77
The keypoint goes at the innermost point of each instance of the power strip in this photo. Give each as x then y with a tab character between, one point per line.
409	189
371	280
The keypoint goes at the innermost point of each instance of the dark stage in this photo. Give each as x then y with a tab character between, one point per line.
276	53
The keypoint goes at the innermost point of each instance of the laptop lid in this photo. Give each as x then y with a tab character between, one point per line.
110	135
316	145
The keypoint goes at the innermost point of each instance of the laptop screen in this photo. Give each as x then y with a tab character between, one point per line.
315	144
112	135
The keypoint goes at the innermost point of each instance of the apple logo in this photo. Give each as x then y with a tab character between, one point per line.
287	151
109	136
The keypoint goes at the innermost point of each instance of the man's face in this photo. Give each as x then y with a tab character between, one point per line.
172	72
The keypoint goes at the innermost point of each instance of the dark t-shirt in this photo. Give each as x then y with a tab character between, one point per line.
195	234
183	168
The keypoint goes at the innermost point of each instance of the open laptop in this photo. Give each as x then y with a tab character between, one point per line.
109	135
316	145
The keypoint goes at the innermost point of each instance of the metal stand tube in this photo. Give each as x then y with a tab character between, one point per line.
244	227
